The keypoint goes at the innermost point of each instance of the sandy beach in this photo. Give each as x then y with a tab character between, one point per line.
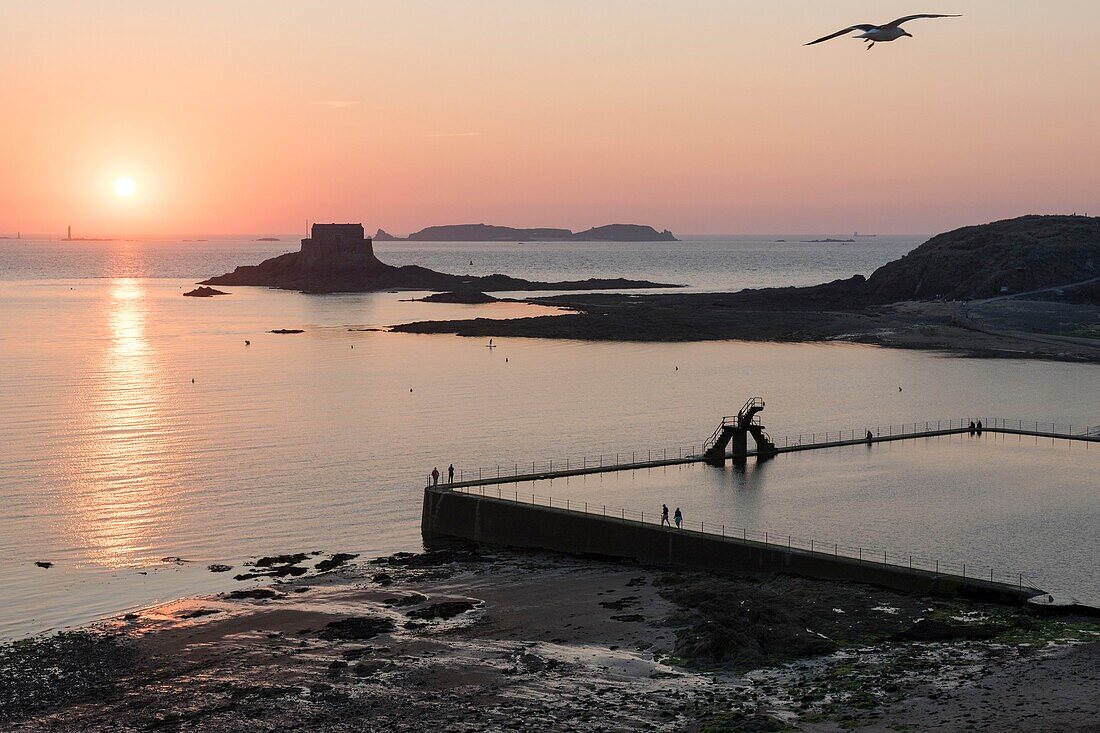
473	640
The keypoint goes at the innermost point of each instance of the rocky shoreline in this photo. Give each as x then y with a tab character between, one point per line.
484	640
996	329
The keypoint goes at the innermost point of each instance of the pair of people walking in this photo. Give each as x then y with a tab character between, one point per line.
450	475
678	517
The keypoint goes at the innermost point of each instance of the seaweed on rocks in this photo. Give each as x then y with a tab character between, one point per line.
357	628
441	610
340	558
42	672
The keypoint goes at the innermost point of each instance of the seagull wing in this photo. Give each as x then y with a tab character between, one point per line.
862	27
908	18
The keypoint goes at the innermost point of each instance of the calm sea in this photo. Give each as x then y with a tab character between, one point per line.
137	426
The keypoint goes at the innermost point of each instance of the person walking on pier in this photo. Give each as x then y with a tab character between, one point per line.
435	476
678	517
451	473
664	515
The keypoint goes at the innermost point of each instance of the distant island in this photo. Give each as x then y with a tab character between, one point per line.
268	239
337	258
491	233
827	241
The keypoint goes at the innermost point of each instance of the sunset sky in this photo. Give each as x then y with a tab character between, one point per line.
699	116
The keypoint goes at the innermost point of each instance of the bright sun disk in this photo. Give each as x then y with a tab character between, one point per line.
125	186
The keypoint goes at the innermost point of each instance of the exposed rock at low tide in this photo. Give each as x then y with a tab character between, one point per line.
465	297
335	561
204	292
441	610
357	628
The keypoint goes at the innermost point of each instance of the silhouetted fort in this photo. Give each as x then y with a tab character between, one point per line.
331	239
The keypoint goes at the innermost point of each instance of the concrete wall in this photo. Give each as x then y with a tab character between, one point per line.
502	522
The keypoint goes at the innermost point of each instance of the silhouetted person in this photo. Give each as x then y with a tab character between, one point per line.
664	515
678	517
870	437
451	473
979	427
435	477
972	427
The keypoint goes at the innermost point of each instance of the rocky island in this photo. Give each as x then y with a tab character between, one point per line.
491	233
338	258
203	292
1025	287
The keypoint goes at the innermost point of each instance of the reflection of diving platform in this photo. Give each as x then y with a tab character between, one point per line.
736	430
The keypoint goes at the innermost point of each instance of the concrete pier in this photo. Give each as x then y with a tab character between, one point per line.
504	521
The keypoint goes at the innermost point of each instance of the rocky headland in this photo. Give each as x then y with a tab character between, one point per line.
492	233
338	258
1026	287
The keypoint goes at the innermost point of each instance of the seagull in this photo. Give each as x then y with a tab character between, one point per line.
873	34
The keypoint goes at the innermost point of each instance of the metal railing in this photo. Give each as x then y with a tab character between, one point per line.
868	554
625	459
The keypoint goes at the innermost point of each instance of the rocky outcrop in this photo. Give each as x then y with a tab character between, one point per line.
1005	257
204	293
338	258
466	297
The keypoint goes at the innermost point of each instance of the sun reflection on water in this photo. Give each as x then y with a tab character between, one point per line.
118	472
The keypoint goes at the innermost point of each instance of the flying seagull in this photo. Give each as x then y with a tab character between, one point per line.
873	34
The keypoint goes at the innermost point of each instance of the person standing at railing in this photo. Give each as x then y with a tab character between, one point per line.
664	515
678	517
979	427
451	473
435	476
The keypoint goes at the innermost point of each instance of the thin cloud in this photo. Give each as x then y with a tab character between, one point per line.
339	103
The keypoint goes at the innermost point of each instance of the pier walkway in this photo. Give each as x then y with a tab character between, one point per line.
506	473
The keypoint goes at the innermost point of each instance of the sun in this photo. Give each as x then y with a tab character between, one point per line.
125	187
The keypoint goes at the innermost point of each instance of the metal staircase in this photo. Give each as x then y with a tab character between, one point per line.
736	429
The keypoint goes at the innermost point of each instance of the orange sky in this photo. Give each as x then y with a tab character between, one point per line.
700	116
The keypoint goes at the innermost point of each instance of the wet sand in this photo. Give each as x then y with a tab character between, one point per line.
485	641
